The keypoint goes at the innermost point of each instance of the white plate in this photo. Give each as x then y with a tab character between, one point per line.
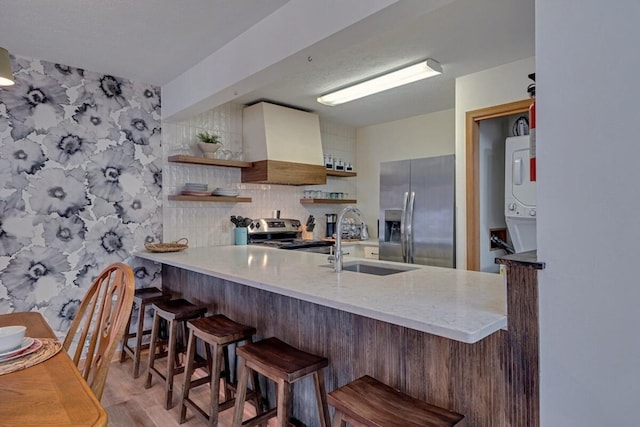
225	192
195	193
37	344
26	342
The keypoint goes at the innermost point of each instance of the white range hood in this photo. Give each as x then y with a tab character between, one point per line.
283	144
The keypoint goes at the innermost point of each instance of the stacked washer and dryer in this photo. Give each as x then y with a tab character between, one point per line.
519	195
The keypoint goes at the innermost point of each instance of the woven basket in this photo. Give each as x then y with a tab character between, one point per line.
176	246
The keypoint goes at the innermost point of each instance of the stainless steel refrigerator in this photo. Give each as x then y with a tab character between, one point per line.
417	211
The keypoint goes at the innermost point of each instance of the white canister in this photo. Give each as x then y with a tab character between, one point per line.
328	161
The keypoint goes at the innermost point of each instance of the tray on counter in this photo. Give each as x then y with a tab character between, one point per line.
176	246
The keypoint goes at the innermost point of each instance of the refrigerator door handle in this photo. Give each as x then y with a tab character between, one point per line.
403	230
410	205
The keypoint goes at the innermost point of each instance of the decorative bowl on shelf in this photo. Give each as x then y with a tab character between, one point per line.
208	149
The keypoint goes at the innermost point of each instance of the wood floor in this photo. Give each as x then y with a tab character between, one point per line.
128	403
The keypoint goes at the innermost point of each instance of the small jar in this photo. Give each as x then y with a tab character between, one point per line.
339	165
348	167
328	161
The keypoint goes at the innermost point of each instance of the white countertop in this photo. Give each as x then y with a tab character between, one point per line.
457	304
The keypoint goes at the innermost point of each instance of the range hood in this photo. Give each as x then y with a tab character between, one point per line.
283	144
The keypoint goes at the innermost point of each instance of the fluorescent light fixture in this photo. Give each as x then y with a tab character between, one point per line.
6	75
399	77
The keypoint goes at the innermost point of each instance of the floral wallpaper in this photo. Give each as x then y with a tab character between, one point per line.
80	184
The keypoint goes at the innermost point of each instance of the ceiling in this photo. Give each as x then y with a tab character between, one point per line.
154	41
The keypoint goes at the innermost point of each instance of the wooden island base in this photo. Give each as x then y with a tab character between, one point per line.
493	382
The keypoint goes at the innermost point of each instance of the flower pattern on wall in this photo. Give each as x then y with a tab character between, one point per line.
80	184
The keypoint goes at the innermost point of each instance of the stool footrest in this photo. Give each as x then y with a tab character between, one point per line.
259	419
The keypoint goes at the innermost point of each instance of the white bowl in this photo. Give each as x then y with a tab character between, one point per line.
11	337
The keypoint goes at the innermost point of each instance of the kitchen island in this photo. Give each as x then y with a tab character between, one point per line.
437	334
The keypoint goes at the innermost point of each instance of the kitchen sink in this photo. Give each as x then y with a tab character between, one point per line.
372	268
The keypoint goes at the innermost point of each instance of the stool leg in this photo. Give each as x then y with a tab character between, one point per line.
257	396
214	404
125	340
168	389
337	420
138	347
152	348
321	398
227	375
284	403
241	393
188	372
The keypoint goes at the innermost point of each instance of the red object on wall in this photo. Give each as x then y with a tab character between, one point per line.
532	128
532	140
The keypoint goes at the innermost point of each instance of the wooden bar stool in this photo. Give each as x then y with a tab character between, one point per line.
175	312
366	402
141	298
284	365
217	332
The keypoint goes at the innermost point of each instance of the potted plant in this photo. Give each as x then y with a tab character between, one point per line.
208	143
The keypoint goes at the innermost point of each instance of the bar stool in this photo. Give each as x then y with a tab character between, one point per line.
217	332
368	402
141	298
284	365
175	312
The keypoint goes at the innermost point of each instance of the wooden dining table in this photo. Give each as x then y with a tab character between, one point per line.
51	393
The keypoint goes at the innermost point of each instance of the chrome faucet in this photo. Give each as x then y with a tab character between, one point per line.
336	258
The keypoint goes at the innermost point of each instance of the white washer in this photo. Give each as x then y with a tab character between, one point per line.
519	195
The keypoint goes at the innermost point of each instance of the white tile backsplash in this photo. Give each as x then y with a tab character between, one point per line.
207	223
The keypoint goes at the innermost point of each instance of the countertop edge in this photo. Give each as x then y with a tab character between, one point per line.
527	259
469	336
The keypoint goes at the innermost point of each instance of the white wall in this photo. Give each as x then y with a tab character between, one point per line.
207	223
499	85
420	136
588	204
492	148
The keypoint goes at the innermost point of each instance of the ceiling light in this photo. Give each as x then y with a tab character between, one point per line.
6	75
399	77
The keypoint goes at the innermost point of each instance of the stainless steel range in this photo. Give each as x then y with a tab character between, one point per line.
283	233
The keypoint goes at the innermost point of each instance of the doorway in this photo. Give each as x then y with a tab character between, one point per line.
473	152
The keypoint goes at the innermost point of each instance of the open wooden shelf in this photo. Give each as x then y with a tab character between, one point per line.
224	199
327	201
210	162
341	174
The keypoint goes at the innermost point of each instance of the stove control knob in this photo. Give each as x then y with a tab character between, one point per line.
512	206
257	225
532	212
251	226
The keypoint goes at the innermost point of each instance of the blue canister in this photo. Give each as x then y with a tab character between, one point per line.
241	235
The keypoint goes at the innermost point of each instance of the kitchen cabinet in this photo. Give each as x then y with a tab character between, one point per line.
350	250
371	252
357	248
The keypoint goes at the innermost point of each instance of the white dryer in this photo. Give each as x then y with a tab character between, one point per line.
519	195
